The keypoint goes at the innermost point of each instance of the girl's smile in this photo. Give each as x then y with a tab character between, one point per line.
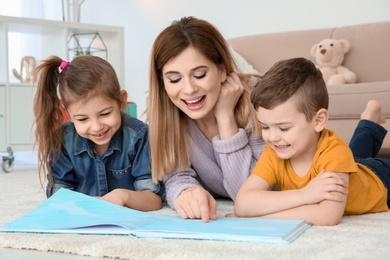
96	119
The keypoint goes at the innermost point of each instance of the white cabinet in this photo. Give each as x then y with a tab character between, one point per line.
21	37
21	116
2	119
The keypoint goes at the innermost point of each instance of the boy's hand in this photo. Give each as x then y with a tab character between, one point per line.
326	186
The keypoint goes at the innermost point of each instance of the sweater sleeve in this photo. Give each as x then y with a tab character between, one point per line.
238	156
178	181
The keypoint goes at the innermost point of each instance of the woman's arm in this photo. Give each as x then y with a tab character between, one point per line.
231	91
238	156
321	202
185	194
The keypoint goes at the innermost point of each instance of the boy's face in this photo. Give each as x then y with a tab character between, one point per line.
287	131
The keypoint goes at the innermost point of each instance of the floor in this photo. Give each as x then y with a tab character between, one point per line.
19	254
27	160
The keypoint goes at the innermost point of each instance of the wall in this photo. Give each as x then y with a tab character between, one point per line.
144	19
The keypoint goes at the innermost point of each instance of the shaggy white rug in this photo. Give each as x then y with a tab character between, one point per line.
357	237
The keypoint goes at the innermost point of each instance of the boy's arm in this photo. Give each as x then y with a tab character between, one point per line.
321	202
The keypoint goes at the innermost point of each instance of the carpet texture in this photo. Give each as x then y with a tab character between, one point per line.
357	237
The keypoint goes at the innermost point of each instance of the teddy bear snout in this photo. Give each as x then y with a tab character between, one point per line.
323	51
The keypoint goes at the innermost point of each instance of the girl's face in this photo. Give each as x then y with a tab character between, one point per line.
96	119
193	83
287	131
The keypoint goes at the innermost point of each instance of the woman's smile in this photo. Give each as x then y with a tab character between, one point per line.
195	103
193	83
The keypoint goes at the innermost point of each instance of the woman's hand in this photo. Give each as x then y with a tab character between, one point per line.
326	186
231	91
196	202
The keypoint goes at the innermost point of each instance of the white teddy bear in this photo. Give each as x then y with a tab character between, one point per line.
329	55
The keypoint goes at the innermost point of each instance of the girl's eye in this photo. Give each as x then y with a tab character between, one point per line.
82	119
284	129
105	114
264	127
200	76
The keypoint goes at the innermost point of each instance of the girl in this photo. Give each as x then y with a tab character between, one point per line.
100	151
204	141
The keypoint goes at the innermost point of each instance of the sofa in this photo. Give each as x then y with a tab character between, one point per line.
368	57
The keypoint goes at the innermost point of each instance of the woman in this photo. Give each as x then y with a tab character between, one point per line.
203	136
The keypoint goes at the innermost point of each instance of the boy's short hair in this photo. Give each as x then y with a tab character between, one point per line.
286	78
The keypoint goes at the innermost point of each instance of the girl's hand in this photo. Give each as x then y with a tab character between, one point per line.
117	196
196	202
326	186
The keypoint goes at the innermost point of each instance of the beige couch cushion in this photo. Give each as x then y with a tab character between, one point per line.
370	50
369	58
346	102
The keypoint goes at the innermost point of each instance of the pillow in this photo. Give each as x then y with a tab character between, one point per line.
242	64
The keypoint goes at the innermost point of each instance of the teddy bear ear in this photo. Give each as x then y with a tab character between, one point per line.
345	45
313	50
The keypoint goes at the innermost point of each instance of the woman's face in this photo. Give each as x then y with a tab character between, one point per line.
193	83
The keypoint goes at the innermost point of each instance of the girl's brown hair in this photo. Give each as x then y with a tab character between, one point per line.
167	124
84	77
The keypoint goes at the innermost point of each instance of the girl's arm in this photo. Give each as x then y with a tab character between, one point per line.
138	200
321	202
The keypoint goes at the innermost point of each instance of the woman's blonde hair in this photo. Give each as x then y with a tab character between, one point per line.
167	124
84	77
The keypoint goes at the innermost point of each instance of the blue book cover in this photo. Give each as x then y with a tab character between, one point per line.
72	212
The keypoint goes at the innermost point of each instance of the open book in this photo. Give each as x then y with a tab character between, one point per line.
72	212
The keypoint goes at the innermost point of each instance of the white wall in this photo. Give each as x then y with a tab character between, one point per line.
144	19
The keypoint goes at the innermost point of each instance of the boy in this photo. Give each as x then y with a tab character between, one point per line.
318	177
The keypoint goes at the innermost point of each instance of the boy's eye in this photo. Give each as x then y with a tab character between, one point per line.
105	114
284	129
82	119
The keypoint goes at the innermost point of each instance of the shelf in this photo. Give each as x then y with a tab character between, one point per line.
20	37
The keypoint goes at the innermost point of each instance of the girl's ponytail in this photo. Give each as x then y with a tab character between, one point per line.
47	112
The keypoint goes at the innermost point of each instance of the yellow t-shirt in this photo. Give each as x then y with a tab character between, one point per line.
366	192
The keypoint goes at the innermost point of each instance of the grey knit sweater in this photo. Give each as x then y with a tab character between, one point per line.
220	166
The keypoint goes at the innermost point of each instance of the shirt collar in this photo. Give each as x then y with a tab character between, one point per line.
86	145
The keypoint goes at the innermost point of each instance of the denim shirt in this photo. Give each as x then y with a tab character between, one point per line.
125	164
